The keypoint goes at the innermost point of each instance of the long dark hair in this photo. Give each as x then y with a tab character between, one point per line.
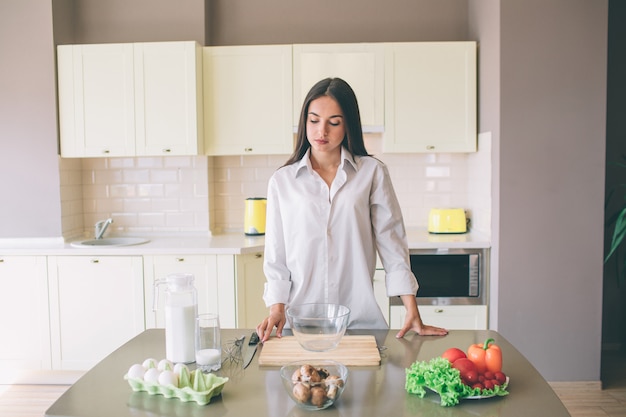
340	91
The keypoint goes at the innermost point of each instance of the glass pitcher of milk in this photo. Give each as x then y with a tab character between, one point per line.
181	309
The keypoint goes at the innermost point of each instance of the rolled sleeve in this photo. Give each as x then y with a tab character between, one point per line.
276	291
400	283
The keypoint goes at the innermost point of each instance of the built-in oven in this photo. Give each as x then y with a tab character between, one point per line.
449	276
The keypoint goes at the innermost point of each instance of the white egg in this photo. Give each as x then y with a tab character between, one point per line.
150	363
152	375
136	371
179	367
167	378
165	365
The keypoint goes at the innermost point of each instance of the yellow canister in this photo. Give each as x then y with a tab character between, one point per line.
447	220
254	218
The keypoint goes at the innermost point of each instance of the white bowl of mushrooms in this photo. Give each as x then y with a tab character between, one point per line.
314	385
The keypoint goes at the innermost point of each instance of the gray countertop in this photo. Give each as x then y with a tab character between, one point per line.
370	391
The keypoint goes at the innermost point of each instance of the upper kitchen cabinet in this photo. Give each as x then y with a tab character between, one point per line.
361	65
247	100
430	97
130	99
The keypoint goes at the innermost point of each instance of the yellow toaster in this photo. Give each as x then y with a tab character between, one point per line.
447	220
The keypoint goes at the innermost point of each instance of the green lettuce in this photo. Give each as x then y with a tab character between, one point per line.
438	375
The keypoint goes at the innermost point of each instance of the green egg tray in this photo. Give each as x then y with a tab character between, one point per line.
194	386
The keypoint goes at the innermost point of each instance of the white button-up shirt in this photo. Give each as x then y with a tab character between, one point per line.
321	243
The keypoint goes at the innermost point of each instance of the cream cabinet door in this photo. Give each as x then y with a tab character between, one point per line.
24	325
168	98
359	64
96	305
450	317
130	99
96	100
251	309
214	279
430	97
247	100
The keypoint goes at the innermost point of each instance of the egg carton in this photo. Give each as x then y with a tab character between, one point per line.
193	386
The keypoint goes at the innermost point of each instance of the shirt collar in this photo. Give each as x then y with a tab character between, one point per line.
305	162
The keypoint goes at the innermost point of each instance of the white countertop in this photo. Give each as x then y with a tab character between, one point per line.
225	244
421	239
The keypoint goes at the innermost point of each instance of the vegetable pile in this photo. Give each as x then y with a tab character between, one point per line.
455	375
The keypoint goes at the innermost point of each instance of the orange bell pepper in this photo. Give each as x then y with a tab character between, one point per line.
486	356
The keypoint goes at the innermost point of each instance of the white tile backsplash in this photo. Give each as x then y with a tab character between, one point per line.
207	194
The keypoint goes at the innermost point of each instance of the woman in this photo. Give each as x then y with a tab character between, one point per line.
330	208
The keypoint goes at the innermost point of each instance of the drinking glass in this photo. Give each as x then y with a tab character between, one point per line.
208	343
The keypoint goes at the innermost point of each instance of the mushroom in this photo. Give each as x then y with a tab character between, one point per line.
323	373
309	374
318	396
333	382
302	392
296	376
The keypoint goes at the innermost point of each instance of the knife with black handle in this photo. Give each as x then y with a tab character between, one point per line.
253	343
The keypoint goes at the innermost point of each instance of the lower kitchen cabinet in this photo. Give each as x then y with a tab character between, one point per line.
24	310
251	309
450	317
230	285
213	279
96	305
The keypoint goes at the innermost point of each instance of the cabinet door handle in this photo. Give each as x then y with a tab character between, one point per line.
1	260
106	151
95	261
247	149
180	259
167	150
258	255
430	148
439	310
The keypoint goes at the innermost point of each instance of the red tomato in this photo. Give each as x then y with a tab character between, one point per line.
464	366
470	377
488	384
453	354
500	377
489	375
479	386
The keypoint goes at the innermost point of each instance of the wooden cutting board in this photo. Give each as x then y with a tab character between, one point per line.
352	351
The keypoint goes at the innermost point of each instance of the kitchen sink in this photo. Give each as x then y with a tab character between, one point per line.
110	242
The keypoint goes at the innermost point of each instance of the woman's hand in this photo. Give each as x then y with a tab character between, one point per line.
275	319
413	321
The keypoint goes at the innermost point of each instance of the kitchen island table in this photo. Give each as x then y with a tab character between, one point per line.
257	390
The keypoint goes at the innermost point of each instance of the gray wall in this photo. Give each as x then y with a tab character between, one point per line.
250	22
552	144
484	25
98	21
30	203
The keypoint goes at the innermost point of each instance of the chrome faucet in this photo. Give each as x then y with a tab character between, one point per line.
101	227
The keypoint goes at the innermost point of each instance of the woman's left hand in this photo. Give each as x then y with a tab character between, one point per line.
422	330
413	321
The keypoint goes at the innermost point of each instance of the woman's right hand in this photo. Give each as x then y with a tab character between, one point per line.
275	319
